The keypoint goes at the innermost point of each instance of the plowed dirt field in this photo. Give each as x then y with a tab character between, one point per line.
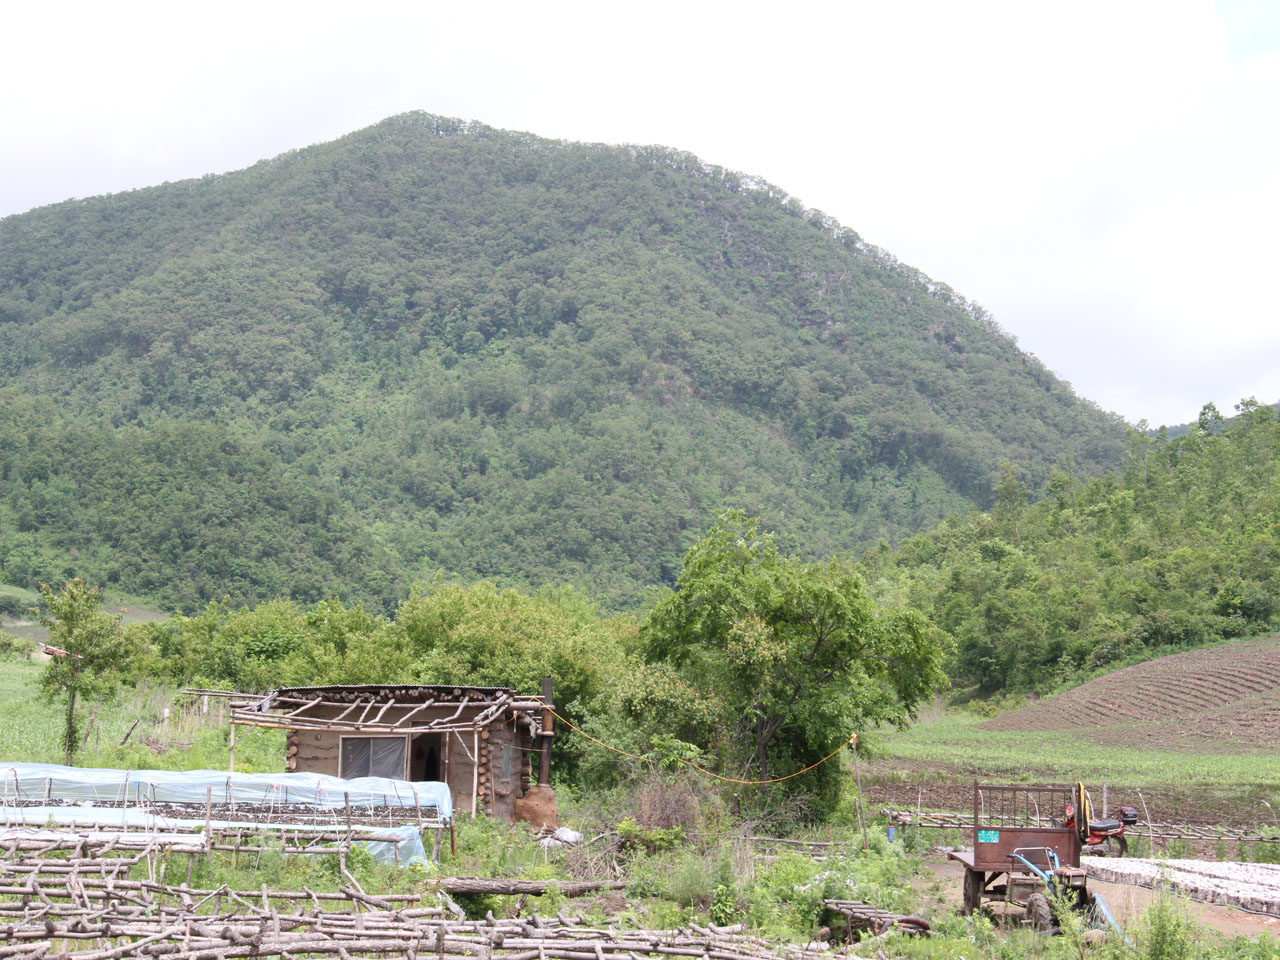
1189	738
1224	699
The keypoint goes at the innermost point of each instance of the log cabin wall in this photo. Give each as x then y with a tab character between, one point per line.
491	764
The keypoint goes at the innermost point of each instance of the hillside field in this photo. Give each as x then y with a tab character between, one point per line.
1195	732
1222	699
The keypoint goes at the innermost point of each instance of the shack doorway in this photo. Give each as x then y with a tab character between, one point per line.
426	758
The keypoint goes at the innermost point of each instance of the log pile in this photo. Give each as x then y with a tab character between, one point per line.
79	896
484	777
78	892
1152	831
114	853
863	917
131	921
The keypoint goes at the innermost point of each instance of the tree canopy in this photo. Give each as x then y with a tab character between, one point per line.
1180	548
88	648
789	654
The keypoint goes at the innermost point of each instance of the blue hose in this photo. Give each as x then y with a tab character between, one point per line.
1100	905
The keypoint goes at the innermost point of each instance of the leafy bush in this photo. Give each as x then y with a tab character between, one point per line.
653	840
15	648
786	899
1168	933
12	605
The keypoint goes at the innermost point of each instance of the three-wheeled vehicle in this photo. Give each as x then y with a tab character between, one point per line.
1026	851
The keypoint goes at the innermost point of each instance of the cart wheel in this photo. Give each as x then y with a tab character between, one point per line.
973	883
1038	913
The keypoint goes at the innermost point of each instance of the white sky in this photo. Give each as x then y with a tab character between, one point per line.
1104	177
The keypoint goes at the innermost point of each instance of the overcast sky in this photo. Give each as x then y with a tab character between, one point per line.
1103	177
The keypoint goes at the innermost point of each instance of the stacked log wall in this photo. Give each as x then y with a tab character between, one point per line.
502	744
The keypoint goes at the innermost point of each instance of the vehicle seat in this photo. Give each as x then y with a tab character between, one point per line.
1104	826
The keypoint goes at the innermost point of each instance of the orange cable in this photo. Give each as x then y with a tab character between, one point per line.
852	739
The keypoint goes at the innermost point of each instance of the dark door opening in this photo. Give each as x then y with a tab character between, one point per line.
426	759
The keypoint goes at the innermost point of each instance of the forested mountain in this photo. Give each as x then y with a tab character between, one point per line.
436	345
1180	548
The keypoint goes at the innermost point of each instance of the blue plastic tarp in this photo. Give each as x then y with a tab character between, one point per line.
34	781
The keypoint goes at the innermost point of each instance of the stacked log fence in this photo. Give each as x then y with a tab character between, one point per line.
91	919
1151	831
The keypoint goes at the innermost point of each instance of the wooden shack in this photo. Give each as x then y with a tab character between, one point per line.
480	741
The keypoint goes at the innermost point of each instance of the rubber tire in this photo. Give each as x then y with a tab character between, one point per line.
973	883
1120	844
1039	914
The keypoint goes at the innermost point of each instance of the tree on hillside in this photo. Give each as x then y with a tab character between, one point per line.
481	634
791	653
88	645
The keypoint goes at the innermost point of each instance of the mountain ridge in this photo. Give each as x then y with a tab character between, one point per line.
516	358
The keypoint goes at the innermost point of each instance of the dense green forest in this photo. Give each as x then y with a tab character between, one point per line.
1180	548
433	345
760	661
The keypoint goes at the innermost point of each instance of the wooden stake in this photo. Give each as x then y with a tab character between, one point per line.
857	771
88	730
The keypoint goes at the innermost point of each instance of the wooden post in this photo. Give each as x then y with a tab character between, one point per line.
544	761
231	762
85	742
857	771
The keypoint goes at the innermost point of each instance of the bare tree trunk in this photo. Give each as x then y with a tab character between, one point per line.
69	734
762	750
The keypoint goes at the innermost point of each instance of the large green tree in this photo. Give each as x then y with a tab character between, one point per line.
791	653
88	646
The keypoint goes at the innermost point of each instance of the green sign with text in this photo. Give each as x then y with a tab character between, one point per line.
988	836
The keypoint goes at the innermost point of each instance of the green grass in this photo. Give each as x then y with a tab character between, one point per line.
956	744
130	608
30	727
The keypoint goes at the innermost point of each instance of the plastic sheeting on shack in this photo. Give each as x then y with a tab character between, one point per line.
35	781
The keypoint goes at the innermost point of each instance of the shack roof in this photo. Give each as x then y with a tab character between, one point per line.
401	693
363	708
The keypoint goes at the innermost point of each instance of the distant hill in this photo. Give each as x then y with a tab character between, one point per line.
1177	550
436	345
1182	429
